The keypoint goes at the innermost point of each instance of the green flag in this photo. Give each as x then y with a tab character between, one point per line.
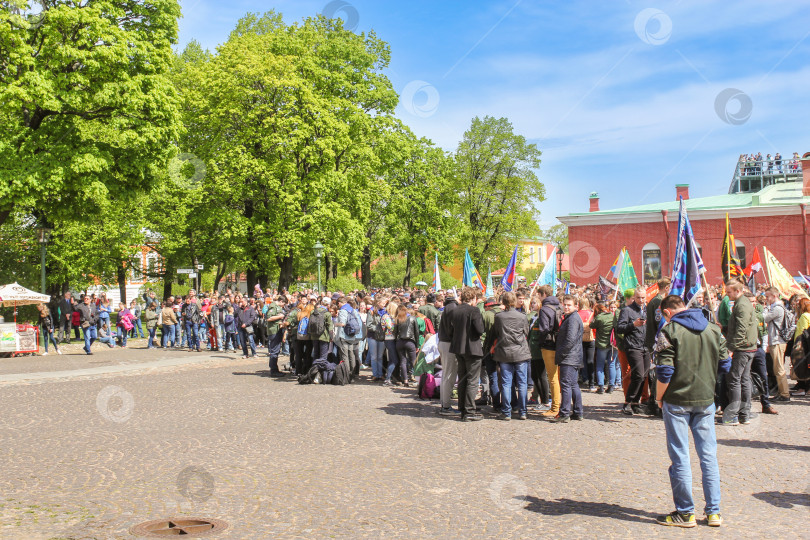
627	276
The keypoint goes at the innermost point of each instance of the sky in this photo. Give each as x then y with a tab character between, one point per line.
624	98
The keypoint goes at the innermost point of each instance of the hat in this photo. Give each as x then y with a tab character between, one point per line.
490	302
326	301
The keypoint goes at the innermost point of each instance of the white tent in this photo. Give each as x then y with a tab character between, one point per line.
16	295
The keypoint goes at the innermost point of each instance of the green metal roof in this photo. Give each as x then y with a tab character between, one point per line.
774	195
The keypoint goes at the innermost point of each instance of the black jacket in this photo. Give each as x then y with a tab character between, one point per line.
444	324
246	316
511	330
633	335
466	327
569	341
407	331
65	308
545	322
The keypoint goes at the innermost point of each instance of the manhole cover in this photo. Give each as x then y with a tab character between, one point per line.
189	527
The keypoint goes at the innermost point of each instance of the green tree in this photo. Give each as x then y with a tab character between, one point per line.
498	189
287	116
86	105
558	235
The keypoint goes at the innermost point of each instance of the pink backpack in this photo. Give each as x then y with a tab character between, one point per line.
428	386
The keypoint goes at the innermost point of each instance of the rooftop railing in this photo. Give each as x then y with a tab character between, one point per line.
751	175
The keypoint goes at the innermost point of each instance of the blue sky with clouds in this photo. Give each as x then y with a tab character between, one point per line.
620	96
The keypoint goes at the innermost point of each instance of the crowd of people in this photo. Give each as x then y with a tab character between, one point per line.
527	350
756	165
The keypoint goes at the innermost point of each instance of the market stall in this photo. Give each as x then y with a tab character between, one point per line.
19	338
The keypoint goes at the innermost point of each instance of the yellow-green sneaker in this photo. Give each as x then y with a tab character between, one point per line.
714	520
676	519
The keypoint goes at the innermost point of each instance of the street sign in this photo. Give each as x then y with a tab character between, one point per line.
185	270
192	275
199	267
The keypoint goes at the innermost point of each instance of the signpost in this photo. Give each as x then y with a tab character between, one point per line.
185	270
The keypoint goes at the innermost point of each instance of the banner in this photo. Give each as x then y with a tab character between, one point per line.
780	277
729	261
471	276
688	268
549	274
437	280
509	278
627	275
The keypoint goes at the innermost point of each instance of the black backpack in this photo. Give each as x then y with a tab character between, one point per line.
342	375
555	328
310	376
317	323
374	327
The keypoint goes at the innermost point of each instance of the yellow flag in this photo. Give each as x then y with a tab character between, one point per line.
781	278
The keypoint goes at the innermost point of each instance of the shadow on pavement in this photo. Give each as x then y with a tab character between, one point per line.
784	499
744	443
563	507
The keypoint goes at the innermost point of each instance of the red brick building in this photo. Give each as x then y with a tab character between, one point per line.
766	207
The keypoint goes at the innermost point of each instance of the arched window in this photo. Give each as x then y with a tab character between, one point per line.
531	254
651	263
740	252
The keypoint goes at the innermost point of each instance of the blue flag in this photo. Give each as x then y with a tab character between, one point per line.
510	274
688	263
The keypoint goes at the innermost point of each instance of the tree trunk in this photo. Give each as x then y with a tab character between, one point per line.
406	281
167	286
221	271
285	271
423	261
252	273
365	267
121	274
327	267
263	280
334	270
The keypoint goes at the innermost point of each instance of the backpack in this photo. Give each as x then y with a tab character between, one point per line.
192	314
310	377
427	386
302	326
316	324
342	376
353	324
555	328
788	327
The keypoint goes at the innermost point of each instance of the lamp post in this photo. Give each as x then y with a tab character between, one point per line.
318	248
44	237
560	256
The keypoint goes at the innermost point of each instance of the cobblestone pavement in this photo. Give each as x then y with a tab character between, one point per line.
91	456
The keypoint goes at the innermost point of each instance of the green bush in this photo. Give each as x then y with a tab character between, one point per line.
345	284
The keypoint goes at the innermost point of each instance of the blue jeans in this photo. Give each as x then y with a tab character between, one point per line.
678	421
151	343
193	338
90	335
274	349
48	336
123	333
137	329
393	358
168	335
491	367
247	339
604	360
520	372
615	369
375	354
569	391
178	335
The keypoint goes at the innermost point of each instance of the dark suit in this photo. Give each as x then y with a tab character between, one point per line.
65	312
466	326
